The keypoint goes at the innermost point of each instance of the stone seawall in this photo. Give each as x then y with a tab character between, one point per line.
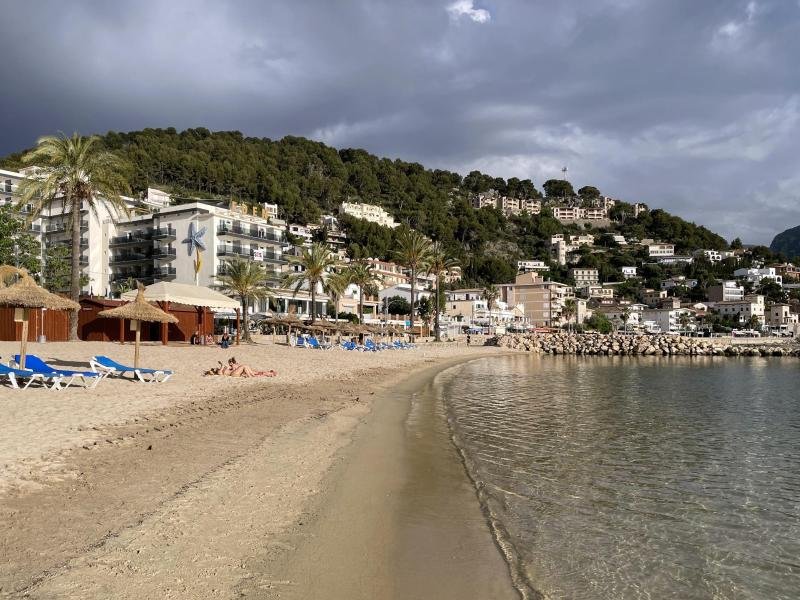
635	345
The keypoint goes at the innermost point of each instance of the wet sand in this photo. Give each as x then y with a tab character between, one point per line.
256	491
400	519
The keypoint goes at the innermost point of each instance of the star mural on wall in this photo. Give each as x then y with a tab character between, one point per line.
194	239
194	245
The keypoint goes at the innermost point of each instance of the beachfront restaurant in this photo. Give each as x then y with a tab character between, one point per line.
193	306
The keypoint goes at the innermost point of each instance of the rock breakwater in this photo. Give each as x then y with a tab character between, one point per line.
635	345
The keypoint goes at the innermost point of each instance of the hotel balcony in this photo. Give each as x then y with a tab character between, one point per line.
164	274
130	257
231	251
146	276
61	228
250	233
165	253
163	234
68	244
134	238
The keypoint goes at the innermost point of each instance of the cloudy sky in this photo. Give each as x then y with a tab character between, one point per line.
690	105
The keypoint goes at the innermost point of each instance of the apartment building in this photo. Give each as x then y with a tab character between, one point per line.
666	320
599	292
585	239
584	277
713	256
516	206
780	316
390	273
678	281
156	246
335	238
368	212
742	310
629	272
639	208
508	205
653	297
787	271
303	232
627	317
570	214
526	266
755	276
619	239
485	200
561	248
726	291
541	301
660	250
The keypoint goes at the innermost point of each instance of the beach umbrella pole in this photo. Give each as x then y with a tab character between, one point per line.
23	342
238	326
137	327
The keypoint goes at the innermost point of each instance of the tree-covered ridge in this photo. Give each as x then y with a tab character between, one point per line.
787	242
307	178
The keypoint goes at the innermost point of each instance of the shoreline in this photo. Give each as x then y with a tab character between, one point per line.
412	528
189	498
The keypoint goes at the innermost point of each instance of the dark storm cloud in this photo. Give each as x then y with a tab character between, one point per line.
693	106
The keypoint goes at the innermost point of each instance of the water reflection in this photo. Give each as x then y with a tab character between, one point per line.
639	477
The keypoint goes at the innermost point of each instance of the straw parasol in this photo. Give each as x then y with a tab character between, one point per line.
8	273
26	294
137	311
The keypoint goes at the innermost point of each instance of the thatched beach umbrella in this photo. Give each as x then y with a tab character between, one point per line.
8	274
137	311
25	294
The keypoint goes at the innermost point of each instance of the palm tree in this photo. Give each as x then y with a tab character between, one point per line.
362	275
334	285
74	171
569	309
124	286
684	319
248	281
413	253
440	262
626	315
315	262
490	294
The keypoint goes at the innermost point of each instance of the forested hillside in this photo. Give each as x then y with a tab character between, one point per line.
307	178
787	242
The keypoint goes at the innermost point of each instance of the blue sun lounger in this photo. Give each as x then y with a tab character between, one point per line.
107	367
89	378
14	375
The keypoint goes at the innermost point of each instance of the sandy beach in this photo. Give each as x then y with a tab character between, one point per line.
218	488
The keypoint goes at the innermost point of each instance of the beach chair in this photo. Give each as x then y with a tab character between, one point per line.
14	375
107	367
300	342
314	343
89	378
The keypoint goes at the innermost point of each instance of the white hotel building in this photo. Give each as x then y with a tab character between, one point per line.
368	212
148	245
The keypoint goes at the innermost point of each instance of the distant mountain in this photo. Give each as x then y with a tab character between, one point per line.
787	242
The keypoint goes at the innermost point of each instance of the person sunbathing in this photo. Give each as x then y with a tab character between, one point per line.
236	369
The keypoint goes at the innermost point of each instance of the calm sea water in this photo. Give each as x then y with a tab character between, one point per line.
637	478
